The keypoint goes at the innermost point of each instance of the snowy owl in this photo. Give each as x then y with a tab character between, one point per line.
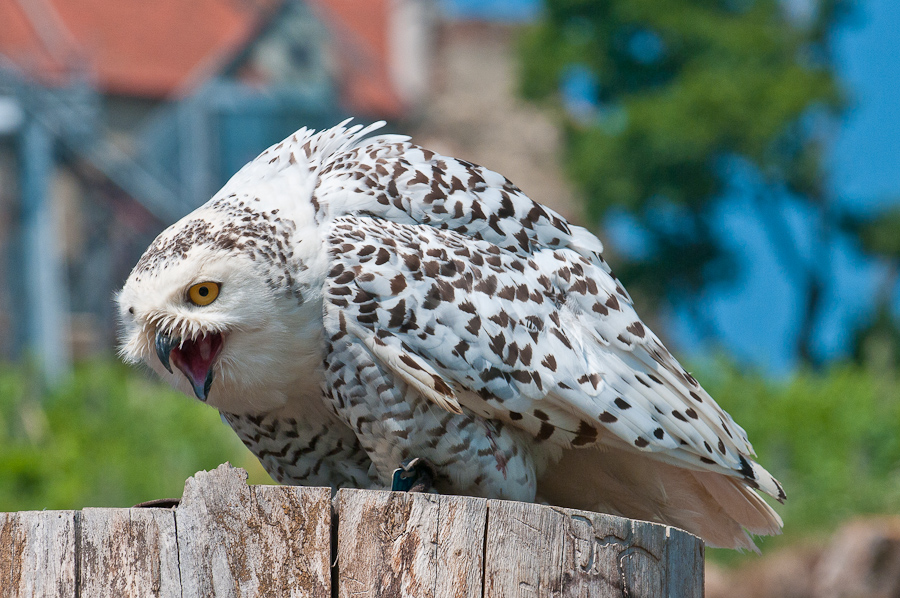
350	303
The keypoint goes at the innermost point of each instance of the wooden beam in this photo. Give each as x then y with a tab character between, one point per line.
239	540
400	544
37	553
128	552
233	540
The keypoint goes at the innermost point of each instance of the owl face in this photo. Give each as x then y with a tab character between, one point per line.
212	324
179	319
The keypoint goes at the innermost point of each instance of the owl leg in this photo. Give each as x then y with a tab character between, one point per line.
413	475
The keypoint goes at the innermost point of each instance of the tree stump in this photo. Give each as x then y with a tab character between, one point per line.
227	539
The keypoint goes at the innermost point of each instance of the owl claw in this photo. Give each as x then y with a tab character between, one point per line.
413	475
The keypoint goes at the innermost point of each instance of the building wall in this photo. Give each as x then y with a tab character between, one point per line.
475	113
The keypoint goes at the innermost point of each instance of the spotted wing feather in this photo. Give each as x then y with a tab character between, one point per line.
521	340
392	352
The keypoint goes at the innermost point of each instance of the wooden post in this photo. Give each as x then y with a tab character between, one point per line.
399	544
230	539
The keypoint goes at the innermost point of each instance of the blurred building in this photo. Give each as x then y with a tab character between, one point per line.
474	111
118	117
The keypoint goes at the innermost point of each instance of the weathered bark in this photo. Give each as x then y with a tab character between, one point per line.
564	552
230	539
37	553
239	540
128	552
398	544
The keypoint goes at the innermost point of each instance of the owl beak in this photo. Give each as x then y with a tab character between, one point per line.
193	357
164	346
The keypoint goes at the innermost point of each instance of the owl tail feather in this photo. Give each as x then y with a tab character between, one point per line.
720	509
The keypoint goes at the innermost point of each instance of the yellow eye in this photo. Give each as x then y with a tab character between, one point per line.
203	293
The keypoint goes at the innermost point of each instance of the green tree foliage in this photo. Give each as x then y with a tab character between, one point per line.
694	95
878	344
111	437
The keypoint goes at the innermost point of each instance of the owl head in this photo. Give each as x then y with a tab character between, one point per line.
226	303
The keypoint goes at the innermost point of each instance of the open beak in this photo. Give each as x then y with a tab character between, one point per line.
194	358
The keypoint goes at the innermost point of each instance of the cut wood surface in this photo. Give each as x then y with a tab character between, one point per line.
37	553
240	540
564	552
230	539
128	552
400	544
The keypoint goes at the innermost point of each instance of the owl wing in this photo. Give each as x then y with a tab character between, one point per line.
401	182
544	339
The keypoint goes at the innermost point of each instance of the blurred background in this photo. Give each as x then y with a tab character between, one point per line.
739	158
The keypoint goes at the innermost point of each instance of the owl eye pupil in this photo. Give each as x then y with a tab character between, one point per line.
203	293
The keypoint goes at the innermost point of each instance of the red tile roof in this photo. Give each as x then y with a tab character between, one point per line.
361	29
153	48
133	47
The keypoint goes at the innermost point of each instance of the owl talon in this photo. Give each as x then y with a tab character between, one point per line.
413	475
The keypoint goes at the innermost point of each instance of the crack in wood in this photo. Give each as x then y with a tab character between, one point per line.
76	524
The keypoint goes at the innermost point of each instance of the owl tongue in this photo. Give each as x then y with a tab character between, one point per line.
195	359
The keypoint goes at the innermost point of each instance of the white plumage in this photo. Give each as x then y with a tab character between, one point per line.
372	302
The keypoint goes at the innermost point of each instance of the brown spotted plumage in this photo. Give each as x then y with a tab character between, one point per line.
379	302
